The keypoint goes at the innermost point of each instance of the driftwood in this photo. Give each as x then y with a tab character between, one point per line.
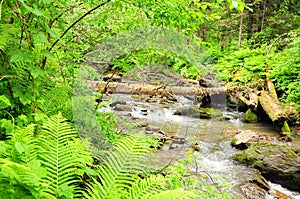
271	107
128	88
271	88
251	101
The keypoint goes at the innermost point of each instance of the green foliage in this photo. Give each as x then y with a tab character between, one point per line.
244	67
120	171
285	72
61	151
248	68
43	164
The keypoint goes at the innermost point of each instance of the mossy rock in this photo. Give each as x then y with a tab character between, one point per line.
195	112
249	117
278	163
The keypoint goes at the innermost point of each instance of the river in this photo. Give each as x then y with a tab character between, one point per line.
214	137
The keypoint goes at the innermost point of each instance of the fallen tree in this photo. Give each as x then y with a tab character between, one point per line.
147	89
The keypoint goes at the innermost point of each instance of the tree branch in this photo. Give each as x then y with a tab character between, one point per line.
78	20
71	26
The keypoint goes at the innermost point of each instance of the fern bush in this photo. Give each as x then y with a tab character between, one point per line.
46	164
50	162
120	171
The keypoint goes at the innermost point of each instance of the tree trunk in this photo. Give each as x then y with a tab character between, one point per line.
146	89
241	29
263	14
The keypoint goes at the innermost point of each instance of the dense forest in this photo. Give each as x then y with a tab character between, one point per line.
54	141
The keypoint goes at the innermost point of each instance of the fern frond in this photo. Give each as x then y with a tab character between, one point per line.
20	175
56	99
172	194
147	186
63	155
120	168
22	145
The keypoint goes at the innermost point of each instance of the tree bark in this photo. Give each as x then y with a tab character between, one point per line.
241	29
272	108
146	89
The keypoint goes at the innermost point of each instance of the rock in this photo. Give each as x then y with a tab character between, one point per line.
143	123
253	191
122	102
258	188
292	114
152	128
244	139
112	77
195	112
277	194
121	107
278	163
249	117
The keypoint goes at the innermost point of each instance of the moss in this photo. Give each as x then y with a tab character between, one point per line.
233	142
194	111
285	130
209	112
249	116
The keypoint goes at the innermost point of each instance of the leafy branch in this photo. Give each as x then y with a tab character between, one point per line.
70	27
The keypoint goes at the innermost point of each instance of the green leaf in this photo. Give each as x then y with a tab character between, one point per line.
36	72
40	37
19	146
65	190
48	54
4	102
47	1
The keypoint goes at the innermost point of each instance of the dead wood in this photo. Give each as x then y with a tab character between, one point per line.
146	89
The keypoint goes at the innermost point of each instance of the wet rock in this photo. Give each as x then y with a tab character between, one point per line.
178	140
292	114
152	128
195	112
249	117
278	163
112	77
144	111
253	191
143	123
122	102
258	188
244	139
121	107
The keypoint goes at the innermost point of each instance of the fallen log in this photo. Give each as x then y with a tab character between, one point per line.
272	108
252	102
163	90
271	88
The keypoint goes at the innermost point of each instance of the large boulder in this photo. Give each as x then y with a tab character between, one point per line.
195	112
278	163
244	138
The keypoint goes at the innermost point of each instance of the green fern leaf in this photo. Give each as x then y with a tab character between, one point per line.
120	168
63	154
172	194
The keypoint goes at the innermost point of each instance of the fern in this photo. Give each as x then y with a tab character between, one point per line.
21	170
56	99
118	174
7	30
61	151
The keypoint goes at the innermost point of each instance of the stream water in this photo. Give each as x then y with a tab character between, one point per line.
214	137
